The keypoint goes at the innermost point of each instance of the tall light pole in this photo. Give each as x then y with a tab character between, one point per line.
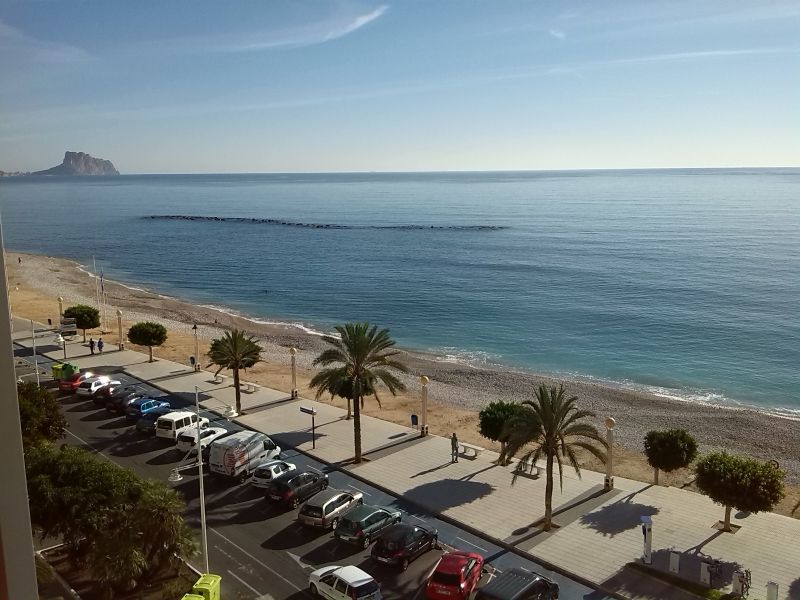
61	340
424	421
293	354
120	342
35	360
609	481
60	307
196	349
175	476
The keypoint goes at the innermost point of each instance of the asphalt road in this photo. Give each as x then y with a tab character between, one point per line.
260	550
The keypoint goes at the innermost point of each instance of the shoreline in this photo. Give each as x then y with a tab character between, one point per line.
457	390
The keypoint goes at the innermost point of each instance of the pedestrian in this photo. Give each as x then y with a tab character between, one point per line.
454	448
100	345
91	345
19	260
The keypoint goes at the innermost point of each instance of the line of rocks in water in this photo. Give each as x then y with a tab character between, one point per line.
321	225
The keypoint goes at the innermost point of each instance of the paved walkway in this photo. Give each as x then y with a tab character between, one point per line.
598	532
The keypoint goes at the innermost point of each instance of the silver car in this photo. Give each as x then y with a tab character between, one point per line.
327	507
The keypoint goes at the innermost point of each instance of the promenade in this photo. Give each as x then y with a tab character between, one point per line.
598	533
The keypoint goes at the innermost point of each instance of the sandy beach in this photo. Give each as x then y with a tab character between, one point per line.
456	392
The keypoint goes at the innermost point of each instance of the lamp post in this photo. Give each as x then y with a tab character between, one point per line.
196	349
609	481
175	477
60	307
35	360
120	342
423	427
293	354
61	341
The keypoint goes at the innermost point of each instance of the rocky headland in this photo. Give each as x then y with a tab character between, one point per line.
80	163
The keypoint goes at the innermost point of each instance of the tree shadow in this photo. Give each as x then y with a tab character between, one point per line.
332	551
169	456
293	535
438	496
794	588
690	566
613	519
117	423
131	444
84	406
98	415
293	439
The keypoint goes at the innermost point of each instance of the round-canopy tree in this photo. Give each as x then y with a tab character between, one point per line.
40	414
736	482
147	334
492	421
86	317
669	450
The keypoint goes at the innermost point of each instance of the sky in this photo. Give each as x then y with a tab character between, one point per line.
199	86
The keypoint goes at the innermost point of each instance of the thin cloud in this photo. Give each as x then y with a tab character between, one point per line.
18	46
679	56
557	33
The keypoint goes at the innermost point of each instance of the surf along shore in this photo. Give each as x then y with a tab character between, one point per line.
456	391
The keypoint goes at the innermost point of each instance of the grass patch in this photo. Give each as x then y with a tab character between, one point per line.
689	586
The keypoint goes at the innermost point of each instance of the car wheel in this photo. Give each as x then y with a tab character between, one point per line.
397	520
365	542
314	591
334	524
404	564
360	502
295	502
434	543
324	485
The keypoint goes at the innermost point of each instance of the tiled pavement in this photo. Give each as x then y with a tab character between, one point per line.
598	533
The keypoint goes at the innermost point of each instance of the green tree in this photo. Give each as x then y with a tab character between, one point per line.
40	414
669	450
738	482
492	422
553	424
147	334
86	317
235	351
364	356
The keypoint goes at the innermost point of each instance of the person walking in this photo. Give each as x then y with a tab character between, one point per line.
91	345
454	448
100	345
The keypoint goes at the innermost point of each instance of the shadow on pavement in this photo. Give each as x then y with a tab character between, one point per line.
615	518
332	551
438	496
794	588
398	584
98	415
84	406
131	443
293	535
690	563
169	456
431	470
117	423
293	439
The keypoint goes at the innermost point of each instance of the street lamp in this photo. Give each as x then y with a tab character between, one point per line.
424	422
196	349
120	343
175	477
609	481
61	341
293	354
35	360
60	307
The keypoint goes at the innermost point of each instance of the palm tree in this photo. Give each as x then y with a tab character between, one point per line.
235	350
363	356
552	424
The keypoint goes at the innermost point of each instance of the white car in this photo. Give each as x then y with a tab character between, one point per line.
343	583
90	386
266	472
188	439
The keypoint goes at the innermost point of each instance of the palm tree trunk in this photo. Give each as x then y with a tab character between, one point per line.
357	419
84	336
237	391
726	526
656	476
548	495
150	348
349	402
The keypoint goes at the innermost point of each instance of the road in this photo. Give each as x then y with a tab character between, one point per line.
260	550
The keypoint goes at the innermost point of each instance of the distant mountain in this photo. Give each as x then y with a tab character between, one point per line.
80	163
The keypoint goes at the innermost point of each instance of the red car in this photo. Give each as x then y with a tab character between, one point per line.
70	384
455	576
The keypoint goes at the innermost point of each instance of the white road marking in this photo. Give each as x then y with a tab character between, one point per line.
253	558
524	569
299	561
471	544
417	518
245	584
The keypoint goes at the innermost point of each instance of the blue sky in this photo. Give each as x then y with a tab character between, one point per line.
297	85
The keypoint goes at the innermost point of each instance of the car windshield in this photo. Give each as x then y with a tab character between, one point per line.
263	473
446	578
86	384
311	511
365	589
185	438
348	525
390	545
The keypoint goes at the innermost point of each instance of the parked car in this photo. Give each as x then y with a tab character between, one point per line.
115	387
147	424
187	440
175	422
98	395
141	406
455	576
400	544
266	472
343	583
236	456
71	383
362	524
89	386
326	508
292	488
518	584
118	402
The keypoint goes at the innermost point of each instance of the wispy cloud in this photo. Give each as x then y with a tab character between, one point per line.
17	46
557	33
701	54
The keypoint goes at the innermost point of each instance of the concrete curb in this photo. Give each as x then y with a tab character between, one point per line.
61	581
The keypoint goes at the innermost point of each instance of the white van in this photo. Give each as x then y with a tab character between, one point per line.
171	425
239	454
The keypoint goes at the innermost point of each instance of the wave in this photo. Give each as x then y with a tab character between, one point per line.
321	225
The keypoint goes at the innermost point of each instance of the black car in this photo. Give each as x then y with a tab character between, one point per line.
147	423
292	488
119	399
518	584
401	543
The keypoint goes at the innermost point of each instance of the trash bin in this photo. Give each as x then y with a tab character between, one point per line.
57	371
207	587
68	370
191	597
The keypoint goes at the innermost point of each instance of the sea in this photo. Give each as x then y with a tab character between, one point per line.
685	282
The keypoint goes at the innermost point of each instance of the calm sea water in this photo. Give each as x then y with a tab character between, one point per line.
683	282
